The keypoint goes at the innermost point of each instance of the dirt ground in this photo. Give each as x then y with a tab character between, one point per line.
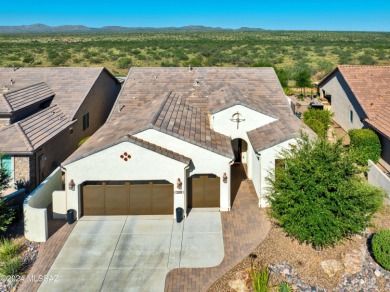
279	248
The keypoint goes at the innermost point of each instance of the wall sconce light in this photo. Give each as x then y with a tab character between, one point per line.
224	177
179	184
71	185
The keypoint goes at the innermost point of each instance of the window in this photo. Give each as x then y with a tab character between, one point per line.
85	121
351	116
6	164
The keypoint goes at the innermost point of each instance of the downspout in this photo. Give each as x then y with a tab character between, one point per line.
185	191
258	155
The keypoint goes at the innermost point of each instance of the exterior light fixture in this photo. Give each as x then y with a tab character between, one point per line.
179	184
224	177
71	185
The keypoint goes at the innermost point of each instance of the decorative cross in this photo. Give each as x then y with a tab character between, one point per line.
237	119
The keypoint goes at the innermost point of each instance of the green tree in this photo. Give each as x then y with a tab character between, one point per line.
365	145
319	197
318	121
303	79
6	214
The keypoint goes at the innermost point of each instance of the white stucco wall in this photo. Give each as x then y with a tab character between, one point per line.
221	121
267	163
107	165
377	178
35	212
59	205
204	161
341	104
255	174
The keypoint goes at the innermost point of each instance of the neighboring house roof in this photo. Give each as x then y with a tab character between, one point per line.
70	85
27	96
23	87
177	101
370	86
32	132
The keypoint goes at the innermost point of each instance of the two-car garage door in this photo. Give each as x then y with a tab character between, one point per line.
131	198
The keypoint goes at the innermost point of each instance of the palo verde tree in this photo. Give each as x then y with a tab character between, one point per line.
318	196
6	214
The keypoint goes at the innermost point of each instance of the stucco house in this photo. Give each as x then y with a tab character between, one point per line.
360	98
174	137
45	112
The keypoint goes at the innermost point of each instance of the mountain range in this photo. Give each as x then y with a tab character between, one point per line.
43	28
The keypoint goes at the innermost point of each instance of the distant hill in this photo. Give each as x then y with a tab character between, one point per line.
43	28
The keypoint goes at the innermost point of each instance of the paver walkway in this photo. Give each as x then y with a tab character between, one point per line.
58	233
244	227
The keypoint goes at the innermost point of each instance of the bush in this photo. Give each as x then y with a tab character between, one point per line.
9	249
364	145
318	121
381	248
11	267
318	197
124	63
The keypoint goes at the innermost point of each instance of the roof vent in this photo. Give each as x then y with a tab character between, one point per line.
11	81
196	83
189	68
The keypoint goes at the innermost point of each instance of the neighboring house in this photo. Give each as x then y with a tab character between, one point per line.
173	136
45	112
360	98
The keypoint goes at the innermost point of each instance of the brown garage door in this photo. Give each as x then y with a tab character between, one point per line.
128	199
205	191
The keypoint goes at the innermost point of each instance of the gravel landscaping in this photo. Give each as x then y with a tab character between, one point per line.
348	266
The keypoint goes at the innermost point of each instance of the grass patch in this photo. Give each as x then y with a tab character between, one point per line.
9	249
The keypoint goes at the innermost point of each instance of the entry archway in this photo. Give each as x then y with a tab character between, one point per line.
240	149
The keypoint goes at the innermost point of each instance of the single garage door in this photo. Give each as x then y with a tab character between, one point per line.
205	191
134	198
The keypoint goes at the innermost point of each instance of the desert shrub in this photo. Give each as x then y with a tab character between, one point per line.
284	287
123	63
381	248
319	197
11	267
260	279
318	121
82	141
9	249
364	145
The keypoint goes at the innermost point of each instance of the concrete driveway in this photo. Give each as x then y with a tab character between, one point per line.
134	253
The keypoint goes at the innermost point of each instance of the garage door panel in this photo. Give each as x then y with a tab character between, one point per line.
117	200
205	192
137	199
198	192
141	200
93	200
162	199
212	192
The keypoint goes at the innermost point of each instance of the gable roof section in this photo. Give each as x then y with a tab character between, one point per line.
371	87
27	96
191	124
34	131
277	132
142	143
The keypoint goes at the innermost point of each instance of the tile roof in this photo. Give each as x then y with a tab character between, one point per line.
34	131
177	101
26	96
159	150
277	132
23	87
70	85
371	87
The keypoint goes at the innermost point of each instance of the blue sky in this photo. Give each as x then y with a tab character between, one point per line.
371	15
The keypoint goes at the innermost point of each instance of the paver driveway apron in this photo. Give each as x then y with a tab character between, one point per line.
134	253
